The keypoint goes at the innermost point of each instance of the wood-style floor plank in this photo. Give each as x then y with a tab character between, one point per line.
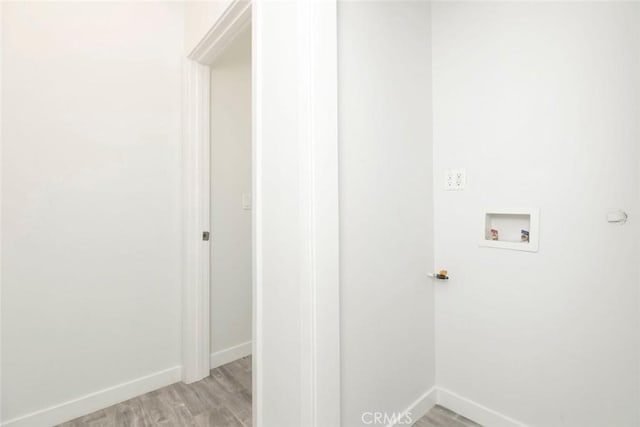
440	416
221	400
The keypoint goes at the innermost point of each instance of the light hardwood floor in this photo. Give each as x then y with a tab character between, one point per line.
440	416
220	400
223	399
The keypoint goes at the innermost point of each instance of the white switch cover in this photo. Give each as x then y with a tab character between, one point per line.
246	202
455	179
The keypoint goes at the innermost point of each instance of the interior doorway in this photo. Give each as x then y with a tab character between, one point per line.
218	177
219	345
295	271
230	203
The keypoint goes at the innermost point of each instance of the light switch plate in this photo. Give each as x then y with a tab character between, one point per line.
455	179
246	202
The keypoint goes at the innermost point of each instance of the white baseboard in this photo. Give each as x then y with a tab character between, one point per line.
474	411
417	409
230	354
101	399
95	401
461	405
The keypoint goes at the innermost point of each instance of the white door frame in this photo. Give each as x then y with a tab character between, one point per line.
319	341
196	188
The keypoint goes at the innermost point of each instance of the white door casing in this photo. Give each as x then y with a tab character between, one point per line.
295	295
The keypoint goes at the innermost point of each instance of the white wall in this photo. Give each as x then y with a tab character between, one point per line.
199	17
230	179
540	102
90	198
386	206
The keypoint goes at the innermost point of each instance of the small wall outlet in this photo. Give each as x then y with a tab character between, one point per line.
455	179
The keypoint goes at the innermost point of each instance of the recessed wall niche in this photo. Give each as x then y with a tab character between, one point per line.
515	229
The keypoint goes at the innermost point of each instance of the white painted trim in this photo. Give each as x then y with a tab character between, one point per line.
308	357
195	170
196	189
316	59
95	401
232	22
474	410
319	237
256	219
418	409
458	404
1	186
230	354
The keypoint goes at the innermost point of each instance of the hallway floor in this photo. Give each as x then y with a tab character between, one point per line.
442	417
221	400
